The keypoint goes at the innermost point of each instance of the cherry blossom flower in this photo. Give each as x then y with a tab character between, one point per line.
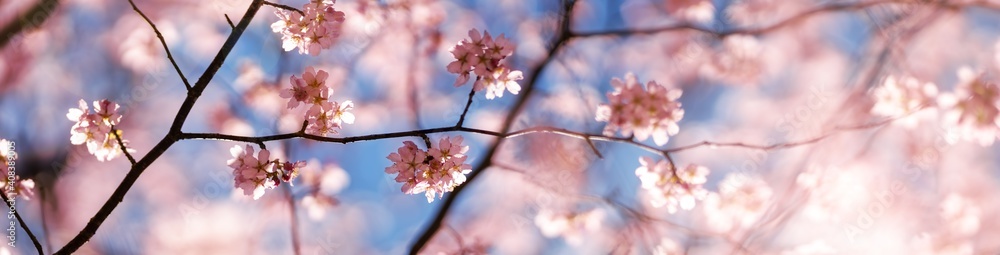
406	162
741	201
647	111
312	32
900	96
433	172
974	108
255	174
672	188
324	116
95	129
483	55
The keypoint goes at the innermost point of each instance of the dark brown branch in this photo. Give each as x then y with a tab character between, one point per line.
342	140
461	119
172	136
32	18
285	7
165	48
34	240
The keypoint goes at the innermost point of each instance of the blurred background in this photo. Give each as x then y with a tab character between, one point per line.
759	72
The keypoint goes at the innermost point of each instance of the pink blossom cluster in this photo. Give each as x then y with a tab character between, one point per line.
254	174
672	187
483	55
95	129
22	187
314	29
324	116
974	108
651	110
435	171
902	95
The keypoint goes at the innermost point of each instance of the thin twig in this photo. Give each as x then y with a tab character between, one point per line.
164	43
461	119
121	144
34	240
782	145
285	7
229	21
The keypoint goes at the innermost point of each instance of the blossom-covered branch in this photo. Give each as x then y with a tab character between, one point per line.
169	139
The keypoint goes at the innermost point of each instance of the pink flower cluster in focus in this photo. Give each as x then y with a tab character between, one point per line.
672	188
312	32
435	171
324	116
650	110
254	174
95	129
482	54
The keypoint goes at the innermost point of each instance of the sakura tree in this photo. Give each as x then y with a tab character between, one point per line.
500	127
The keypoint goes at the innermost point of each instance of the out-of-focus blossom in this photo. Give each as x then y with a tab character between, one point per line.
435	171
312	32
570	226
899	96
974	108
738	62
651	110
741	201
95	129
484	55
669	187
324	115
668	246
960	214
255	174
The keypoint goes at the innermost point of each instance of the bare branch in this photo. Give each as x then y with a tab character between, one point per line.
229	21
34	240
164	43
461	119
284	7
